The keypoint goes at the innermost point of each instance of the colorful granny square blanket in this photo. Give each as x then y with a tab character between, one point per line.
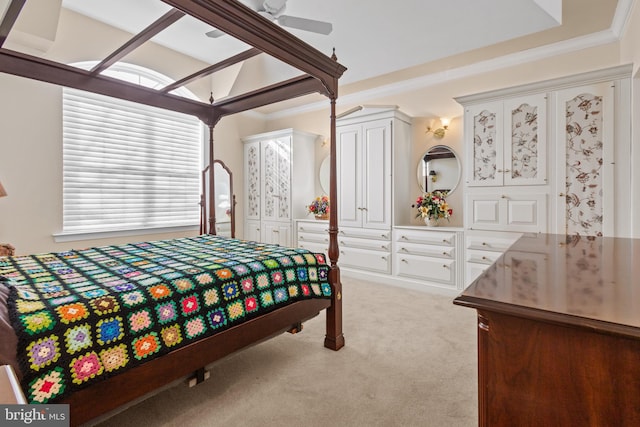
81	316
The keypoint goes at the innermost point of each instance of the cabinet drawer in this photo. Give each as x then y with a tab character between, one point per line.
482	257
372	245
313	237
497	244
426	250
365	233
427	238
364	259
425	268
313	227
314	247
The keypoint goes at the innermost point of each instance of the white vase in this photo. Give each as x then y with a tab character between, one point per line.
431	222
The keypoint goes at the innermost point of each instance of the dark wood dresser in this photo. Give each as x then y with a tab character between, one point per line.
559	333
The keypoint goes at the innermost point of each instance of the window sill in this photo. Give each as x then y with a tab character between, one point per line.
90	235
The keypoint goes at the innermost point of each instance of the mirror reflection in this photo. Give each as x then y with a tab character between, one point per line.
222	193
324	174
439	170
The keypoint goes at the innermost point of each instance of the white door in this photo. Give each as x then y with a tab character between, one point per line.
525	140
376	174
349	176
584	160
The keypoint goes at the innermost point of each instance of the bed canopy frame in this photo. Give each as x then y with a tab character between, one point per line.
320	74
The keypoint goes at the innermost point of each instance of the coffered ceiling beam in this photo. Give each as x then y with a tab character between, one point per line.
139	39
244	24
292	88
28	66
212	69
9	18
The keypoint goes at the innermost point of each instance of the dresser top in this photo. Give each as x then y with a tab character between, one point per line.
591	282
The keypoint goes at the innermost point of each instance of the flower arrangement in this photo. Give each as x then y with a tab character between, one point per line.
319	206
433	206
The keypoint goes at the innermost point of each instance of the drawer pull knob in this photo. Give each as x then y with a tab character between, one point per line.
504	197
561	194
444	253
384	247
445	266
404	260
384	257
301	237
507	170
485	244
403	237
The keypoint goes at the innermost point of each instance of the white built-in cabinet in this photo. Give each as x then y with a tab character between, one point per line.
506	159
278	183
368	140
547	157
364	174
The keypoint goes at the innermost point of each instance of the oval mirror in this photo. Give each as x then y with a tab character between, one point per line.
439	170
325	167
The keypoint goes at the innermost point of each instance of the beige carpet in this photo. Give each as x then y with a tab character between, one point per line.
409	360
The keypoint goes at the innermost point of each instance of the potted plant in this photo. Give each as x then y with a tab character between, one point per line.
432	207
320	207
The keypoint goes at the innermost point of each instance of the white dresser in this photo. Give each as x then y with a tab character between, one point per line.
430	256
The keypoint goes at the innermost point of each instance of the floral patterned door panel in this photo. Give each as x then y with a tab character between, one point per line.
584	165
275	179
485	150
252	174
525	152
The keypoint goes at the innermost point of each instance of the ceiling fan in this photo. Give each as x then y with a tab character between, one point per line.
273	10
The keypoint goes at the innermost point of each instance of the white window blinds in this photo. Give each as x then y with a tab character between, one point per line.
128	166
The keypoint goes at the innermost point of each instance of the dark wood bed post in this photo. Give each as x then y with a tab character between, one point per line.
334	339
212	182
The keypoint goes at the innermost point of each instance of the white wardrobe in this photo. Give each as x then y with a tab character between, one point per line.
547	157
368	142
278	183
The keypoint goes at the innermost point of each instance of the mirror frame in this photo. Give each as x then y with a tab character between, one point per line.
420	177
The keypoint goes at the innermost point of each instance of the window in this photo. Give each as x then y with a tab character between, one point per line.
128	166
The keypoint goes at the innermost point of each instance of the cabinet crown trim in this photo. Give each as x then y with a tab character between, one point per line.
589	77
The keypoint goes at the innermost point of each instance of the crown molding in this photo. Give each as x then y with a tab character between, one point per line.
514	59
621	17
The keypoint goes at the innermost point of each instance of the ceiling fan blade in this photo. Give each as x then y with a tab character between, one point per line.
305	24
215	33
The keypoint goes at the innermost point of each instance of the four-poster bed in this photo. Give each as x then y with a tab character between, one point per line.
320	75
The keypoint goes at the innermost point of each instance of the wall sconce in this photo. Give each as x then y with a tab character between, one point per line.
439	133
433	175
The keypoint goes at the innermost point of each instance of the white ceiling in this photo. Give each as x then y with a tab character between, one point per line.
371	37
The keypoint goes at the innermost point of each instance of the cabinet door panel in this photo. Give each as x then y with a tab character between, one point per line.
585	156
283	146
376	183
525	145
527	212
349	176
484	123
484	211
252	231
252	180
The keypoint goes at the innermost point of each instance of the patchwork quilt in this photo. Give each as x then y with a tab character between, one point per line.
81	316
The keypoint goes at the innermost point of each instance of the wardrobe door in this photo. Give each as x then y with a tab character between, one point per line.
349	147
525	144
585	157
484	127
252	180
376	174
